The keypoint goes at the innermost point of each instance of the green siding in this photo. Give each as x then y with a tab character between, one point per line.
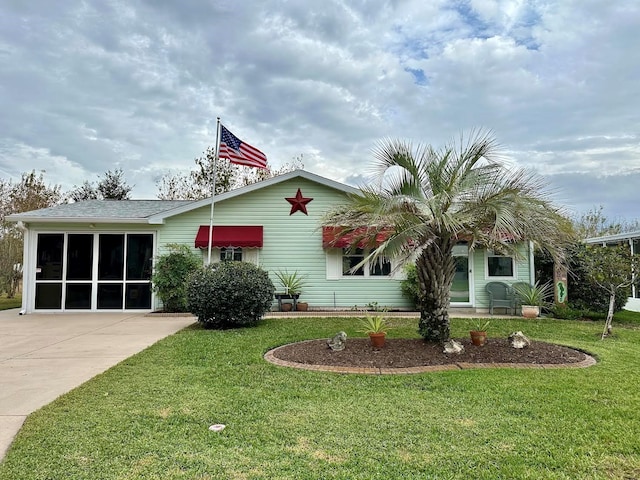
480	274
292	242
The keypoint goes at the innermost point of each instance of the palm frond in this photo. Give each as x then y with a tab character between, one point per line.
462	190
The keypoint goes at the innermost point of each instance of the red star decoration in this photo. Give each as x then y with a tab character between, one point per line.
298	203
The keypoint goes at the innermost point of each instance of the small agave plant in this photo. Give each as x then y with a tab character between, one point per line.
376	327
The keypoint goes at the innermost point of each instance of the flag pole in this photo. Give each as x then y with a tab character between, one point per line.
213	191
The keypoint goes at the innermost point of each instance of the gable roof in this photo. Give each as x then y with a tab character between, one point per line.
154	211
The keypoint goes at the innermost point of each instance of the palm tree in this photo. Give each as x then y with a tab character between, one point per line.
426	200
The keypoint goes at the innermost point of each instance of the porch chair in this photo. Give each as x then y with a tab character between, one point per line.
500	296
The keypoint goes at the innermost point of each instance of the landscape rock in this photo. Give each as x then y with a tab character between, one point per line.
338	342
453	347
519	340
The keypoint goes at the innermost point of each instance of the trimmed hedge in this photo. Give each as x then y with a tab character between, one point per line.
230	294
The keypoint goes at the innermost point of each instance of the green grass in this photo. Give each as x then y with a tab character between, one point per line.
7	303
148	417
625	317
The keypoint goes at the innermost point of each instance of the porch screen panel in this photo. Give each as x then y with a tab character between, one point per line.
48	296
109	296
49	256
111	257
79	256
139	255
78	296
138	296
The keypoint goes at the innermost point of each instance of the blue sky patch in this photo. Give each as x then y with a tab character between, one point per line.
419	76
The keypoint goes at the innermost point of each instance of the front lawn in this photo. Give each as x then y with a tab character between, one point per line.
7	303
149	416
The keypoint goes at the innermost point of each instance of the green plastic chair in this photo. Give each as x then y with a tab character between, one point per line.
500	296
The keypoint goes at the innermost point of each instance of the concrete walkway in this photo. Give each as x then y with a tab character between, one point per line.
43	356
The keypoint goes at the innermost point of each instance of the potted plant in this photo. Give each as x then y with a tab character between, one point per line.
479	334
532	297
292	284
376	327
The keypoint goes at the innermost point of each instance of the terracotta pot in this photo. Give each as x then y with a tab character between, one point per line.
530	311
287	307
302	306
478	338
377	339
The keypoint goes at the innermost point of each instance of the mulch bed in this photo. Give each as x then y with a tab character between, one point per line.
403	353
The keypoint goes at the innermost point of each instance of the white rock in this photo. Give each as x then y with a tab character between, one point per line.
338	342
453	347
519	340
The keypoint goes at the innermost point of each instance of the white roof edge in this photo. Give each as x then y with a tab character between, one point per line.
613	238
16	217
159	218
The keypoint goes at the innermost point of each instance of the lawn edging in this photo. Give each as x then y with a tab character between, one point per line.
271	358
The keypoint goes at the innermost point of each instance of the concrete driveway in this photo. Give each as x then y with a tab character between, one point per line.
43	356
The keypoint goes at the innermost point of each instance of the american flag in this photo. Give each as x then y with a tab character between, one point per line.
240	152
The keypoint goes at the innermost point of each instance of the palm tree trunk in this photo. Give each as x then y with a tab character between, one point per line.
435	268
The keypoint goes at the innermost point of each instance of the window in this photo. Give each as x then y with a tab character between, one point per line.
376	268
500	265
349	260
380	267
228	254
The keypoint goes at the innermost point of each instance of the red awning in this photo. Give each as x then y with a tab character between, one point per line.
331	237
226	236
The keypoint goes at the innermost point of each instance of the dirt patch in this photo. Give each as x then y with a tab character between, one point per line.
407	353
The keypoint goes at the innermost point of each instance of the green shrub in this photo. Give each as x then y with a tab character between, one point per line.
409	286
170	276
565	312
230	294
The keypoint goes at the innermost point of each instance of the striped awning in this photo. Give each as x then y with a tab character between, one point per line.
230	236
332	237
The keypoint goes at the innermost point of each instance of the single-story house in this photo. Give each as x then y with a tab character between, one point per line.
98	255
632	239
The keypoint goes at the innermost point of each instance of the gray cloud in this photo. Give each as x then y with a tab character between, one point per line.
617	194
91	85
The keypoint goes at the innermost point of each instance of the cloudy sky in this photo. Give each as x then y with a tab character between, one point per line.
87	86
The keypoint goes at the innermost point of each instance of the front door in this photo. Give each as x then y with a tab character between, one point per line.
462	287
93	271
